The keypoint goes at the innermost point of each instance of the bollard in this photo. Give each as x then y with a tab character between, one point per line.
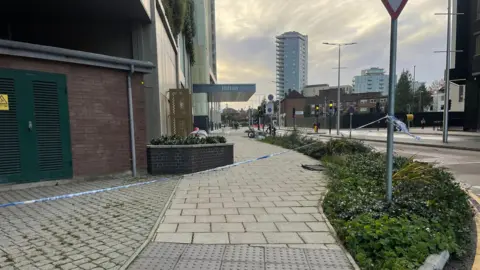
351	114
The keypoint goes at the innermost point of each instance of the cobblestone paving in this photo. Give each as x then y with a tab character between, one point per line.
98	231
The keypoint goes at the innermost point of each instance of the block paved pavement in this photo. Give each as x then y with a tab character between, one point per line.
97	231
272	204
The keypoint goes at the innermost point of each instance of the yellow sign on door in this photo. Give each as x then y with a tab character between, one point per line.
4	102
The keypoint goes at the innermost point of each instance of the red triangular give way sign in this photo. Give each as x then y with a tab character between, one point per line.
394	7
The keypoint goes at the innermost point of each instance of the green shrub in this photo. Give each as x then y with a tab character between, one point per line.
318	149
429	211
395	242
180	140
420	192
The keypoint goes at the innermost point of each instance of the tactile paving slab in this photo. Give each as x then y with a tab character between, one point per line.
244	253
243	266
275	266
198	265
326	257
148	263
163	250
204	252
170	256
330	267
285	256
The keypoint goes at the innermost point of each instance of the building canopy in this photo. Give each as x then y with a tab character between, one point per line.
226	92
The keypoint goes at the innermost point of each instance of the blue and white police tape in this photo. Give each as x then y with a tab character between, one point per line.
72	195
401	126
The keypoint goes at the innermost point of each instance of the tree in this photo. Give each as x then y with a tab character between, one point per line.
307	111
436	85
403	93
422	98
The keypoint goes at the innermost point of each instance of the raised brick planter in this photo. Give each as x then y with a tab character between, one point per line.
179	159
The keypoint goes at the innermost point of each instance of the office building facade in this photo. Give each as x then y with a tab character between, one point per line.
291	62
206	109
371	80
465	65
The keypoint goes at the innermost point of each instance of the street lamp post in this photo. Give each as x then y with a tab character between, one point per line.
339	45
447	68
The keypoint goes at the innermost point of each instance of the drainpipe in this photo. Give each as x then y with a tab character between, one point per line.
132	125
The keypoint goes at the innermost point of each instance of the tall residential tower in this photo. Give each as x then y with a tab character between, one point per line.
371	80
292	62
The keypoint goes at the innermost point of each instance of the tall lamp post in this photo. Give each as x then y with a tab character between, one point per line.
447	68
339	45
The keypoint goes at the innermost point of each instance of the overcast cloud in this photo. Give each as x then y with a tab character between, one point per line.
246	33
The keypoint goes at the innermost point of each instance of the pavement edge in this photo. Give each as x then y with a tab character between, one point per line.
152	233
476	262
332	230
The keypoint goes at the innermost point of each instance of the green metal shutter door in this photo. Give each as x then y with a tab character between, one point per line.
47	126
9	137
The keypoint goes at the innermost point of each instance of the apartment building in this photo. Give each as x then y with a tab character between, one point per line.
291	62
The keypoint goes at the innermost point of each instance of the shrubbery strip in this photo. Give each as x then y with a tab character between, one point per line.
429	213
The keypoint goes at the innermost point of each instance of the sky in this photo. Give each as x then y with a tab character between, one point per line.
246	33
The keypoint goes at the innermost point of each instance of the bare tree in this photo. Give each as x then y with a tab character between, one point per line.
436	85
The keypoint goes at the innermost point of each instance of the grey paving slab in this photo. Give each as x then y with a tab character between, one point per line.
238	257
244	253
198	265
164	250
101	229
204	252
260	215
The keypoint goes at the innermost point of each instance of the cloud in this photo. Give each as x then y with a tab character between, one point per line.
246	33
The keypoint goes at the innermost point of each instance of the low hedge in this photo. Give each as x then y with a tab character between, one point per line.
180	140
429	212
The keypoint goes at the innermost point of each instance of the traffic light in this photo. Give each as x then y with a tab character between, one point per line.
293	113
330	105
377	107
264	108
317	109
449	104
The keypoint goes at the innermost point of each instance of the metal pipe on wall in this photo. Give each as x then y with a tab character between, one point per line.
131	120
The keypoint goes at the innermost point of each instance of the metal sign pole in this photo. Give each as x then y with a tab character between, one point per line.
338	92
391	106
394	8
351	114
447	77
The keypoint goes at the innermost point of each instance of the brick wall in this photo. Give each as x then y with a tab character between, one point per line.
287	108
188	158
98	110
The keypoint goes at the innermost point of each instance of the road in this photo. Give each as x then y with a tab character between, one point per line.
464	165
